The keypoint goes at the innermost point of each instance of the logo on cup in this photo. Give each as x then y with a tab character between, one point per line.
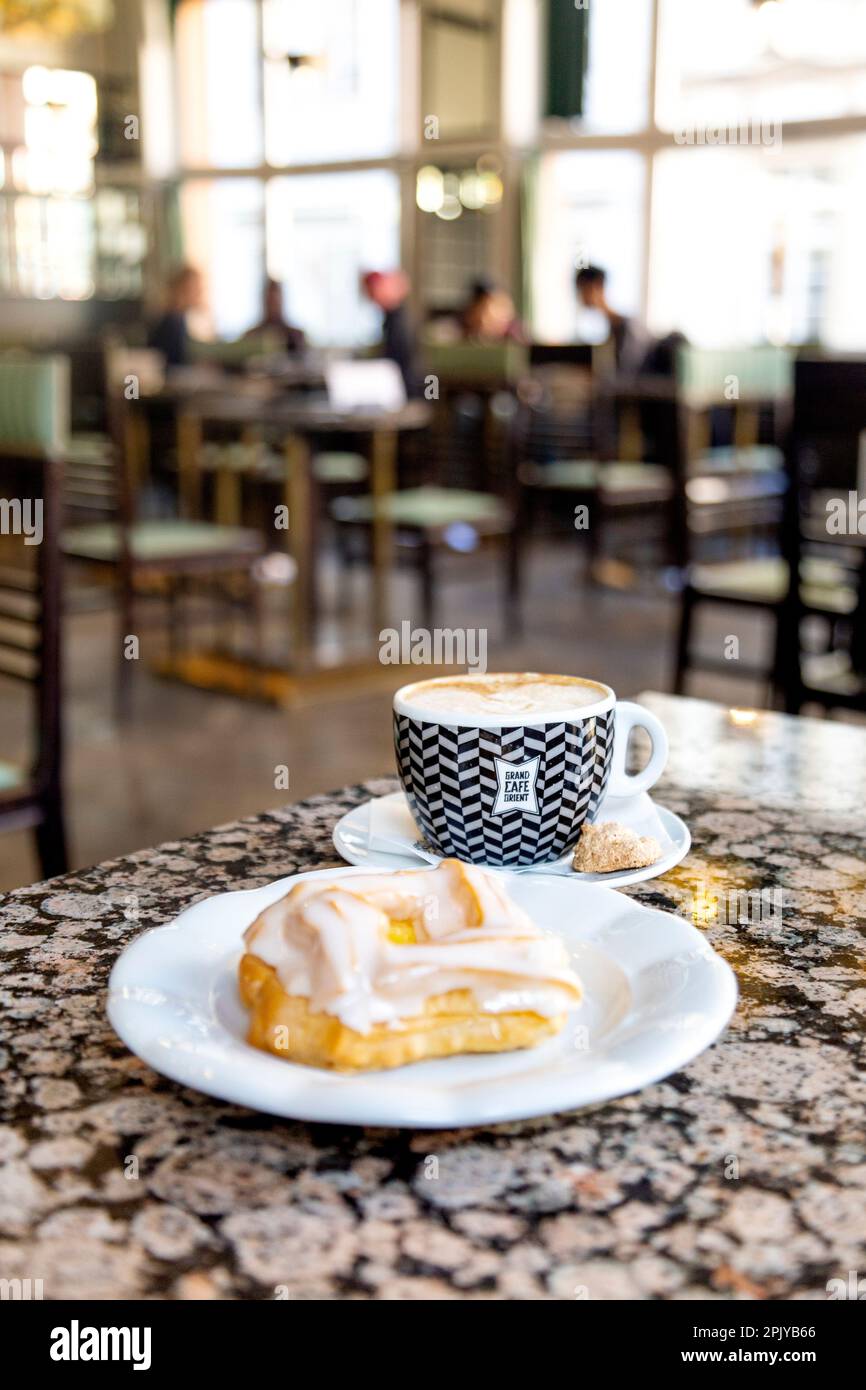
516	786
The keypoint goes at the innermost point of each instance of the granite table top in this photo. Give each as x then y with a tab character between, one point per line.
741	1177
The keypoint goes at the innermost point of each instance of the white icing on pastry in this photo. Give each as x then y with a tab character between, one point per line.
328	942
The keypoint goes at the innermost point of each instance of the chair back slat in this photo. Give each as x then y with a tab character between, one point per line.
20	594
19	605
30	598
19	634
18	666
90	485
555	420
18	580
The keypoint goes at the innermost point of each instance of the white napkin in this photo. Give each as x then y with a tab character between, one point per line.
390	826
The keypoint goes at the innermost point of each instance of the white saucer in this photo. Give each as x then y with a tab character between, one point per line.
656	995
351	843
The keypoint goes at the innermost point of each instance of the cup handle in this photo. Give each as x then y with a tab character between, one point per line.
630	716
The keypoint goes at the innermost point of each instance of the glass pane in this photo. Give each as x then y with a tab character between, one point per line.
218	72
459	76
588	210
59	132
790	270
324	230
783	60
70	247
120	243
48	118
222	230
331	79
54	247
617	80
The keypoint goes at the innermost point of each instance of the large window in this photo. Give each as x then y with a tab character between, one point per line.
219	69
721	187
315	233
616	91
324	231
331	79
290	81
757	221
58	240
757	244
222	221
782	60
587	210
263	84
713	170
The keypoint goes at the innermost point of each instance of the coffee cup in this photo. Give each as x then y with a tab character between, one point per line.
505	769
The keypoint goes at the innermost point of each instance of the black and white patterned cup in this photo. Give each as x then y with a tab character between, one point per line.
517	793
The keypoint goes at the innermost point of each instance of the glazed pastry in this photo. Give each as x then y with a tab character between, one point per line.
603	848
377	970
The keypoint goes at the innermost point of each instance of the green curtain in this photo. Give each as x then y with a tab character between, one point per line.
567	47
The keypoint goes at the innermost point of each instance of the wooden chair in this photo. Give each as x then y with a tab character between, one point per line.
468	441
829	578
828	435
427	523
158	555
30	589
560	459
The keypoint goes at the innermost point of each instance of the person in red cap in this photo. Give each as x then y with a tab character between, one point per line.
389	291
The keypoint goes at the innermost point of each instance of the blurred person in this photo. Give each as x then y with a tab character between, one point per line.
169	334
627	339
274	324
389	291
489	316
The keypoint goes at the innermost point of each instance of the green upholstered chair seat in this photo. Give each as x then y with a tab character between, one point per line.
476	362
429	508
619	481
259	461
89	448
11	777
645	481
567	475
833	672
152	542
764	579
231	458
755	458
336	466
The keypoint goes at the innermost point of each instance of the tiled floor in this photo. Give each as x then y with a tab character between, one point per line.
189	760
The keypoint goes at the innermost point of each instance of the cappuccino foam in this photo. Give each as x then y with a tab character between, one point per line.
513	695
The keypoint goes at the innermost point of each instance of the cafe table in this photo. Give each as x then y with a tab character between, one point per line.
298	423
743	1176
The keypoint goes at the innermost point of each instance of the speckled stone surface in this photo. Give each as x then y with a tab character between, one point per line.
743	1176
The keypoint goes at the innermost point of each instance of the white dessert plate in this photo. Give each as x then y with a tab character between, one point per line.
656	994
352	842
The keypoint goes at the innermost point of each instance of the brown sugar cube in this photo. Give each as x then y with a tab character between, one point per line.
603	848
